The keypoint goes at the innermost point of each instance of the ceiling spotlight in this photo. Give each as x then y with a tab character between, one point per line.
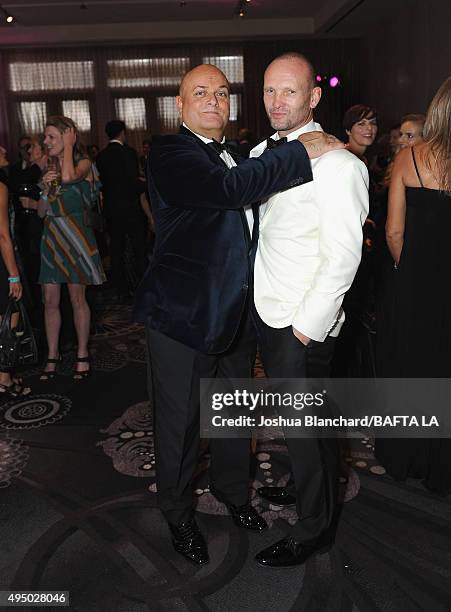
7	15
240	8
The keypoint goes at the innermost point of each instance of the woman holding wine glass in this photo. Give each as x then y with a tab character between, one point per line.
69	251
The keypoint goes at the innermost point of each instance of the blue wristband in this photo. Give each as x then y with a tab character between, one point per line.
14	279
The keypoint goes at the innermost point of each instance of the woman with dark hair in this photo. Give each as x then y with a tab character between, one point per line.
69	251
360	124
418	229
29	228
10	281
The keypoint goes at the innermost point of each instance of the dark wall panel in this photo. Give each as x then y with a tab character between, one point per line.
407	57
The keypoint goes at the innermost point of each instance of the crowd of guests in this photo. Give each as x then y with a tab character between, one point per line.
47	243
51	250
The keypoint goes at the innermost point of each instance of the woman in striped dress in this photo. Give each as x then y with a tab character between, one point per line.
68	249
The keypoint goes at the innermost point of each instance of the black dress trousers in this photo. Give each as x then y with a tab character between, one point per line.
135	227
314	461
176	370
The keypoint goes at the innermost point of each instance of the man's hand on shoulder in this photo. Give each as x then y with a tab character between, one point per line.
317	143
300	336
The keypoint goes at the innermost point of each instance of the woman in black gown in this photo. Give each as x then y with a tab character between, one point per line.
418	229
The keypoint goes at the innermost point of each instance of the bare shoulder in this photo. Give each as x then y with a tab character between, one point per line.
3	192
403	158
3	200
426	161
404	167
424	157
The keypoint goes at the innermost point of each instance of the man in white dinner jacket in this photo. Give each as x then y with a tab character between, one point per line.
308	252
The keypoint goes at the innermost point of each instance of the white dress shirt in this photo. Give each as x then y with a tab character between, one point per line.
230	163
310	244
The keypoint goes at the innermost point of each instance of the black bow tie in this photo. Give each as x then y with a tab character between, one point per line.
271	143
219	147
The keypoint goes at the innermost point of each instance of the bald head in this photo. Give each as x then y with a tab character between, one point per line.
201	72
300	62
290	93
203	101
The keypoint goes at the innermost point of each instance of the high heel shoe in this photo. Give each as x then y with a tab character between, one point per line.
78	376
14	390
50	375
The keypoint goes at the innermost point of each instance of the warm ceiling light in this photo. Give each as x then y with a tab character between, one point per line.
240	8
7	15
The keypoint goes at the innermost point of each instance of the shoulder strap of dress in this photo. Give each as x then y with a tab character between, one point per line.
416	167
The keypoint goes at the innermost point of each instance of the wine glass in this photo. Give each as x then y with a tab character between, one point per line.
53	165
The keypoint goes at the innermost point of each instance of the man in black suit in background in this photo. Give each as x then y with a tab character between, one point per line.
121	187
194	297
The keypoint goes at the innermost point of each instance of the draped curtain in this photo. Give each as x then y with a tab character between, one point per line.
138	84
135	84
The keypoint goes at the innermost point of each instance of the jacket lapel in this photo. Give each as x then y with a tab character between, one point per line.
211	152
214	156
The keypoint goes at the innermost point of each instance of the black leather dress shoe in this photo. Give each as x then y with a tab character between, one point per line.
247	517
277	495
189	542
289	552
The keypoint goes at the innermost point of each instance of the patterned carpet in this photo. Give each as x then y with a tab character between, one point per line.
78	510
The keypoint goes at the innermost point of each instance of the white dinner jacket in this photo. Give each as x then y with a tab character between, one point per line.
310	244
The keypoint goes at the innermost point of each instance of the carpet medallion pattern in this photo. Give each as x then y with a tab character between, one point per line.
34	411
78	510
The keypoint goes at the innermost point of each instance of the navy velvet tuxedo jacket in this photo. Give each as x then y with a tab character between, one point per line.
196	287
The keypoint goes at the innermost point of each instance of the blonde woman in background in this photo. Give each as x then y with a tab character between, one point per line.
69	251
411	130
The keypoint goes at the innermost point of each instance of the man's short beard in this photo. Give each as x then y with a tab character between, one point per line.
282	128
